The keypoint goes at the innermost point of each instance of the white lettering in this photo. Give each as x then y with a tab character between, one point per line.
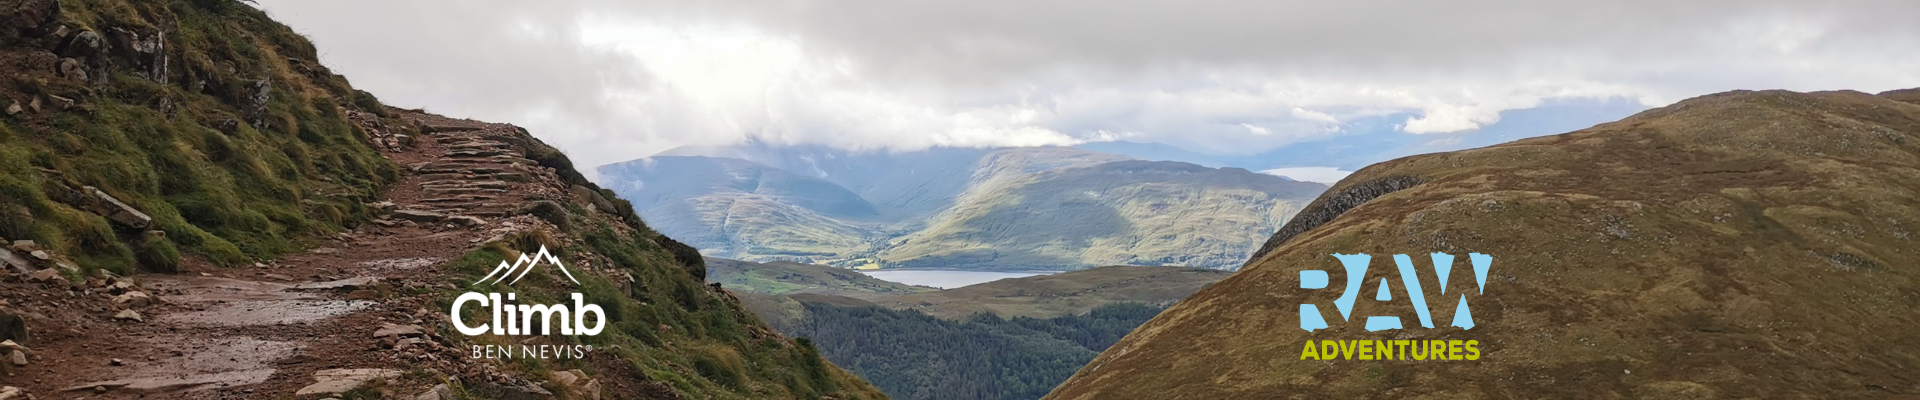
580	316
462	324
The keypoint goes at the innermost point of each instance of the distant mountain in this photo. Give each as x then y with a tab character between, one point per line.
956	208
1158	152
733	206
901	184
1113	213
1736	245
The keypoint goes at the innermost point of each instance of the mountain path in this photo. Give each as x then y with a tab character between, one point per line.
262	331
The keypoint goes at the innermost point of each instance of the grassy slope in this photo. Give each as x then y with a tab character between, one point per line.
673	329
247	193
229	196
781	277
1745	244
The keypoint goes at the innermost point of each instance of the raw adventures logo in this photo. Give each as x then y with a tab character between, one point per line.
1421	350
519	319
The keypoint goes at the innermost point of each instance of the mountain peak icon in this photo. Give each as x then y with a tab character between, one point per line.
525	264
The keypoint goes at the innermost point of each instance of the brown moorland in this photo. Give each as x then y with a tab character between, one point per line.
1737	245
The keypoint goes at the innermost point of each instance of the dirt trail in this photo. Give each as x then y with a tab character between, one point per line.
263	331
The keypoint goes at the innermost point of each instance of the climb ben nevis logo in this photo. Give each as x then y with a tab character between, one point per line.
1393	349
511	319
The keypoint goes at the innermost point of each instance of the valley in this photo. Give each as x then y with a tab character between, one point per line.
1005	339
1038	208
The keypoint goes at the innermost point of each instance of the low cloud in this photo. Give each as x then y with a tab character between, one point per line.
1327	175
609	81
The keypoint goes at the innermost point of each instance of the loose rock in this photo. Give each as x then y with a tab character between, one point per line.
13	393
133	299
129	315
438	392
466	220
419	216
45	275
396	330
336	381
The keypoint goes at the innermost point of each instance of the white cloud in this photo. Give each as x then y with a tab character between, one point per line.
1327	175
613	80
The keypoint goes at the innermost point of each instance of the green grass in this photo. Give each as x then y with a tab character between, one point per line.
228	197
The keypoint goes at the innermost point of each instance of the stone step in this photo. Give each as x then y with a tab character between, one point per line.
438	129
446	176
478	144
510	177
460	190
512	159
446	167
480	153
419	215
489	213
469	198
460	183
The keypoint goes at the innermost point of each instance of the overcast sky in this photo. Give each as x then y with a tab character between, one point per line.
609	81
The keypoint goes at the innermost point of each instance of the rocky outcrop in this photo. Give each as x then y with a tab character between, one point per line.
259	91
377	132
1328	207
107	206
146	54
29	19
13	329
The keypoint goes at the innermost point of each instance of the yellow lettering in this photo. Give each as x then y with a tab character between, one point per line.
1347	349
1308	352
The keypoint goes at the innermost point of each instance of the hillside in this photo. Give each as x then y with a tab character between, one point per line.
196	208
1007	339
957	208
910	355
782	277
1067	293
1113	213
1736	245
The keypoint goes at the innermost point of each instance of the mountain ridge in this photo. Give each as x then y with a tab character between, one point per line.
1689	251
1146	203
